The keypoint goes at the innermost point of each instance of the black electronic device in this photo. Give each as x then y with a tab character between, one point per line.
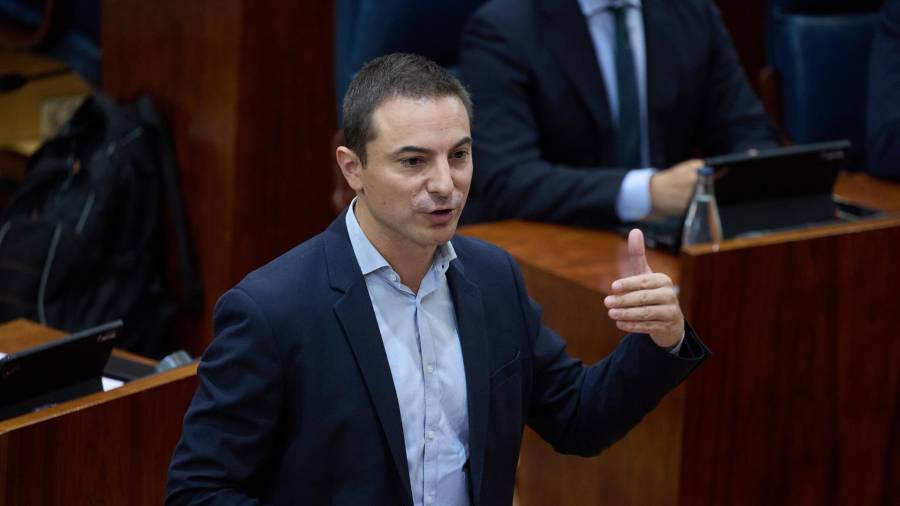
56	371
758	191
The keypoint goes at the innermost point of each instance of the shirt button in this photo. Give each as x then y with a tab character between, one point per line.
429	368
394	278
429	499
429	435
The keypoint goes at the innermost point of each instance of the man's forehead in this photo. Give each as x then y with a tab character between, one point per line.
412	113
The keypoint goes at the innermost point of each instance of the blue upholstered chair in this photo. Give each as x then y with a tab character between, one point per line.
820	50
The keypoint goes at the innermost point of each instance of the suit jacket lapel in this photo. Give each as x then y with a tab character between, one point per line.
470	322
569	39
357	318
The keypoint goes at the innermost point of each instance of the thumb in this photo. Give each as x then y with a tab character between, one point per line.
637	255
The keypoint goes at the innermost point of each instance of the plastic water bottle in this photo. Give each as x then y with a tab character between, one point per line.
702	223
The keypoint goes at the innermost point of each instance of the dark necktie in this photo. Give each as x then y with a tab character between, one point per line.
628	134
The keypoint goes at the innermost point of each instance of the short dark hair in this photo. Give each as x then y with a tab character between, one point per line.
391	76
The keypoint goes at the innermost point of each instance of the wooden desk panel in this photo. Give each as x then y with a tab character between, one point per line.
800	404
106	448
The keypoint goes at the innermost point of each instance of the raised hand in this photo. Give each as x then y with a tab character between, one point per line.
645	301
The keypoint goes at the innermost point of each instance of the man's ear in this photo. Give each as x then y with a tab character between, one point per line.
351	166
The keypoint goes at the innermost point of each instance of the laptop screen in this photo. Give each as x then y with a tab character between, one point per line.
765	175
779	188
74	362
763	190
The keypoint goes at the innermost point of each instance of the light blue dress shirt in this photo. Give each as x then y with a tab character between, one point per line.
422	345
633	201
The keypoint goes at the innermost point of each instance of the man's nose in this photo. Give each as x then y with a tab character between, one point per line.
440	182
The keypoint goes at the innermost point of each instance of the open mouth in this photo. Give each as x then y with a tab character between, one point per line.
441	216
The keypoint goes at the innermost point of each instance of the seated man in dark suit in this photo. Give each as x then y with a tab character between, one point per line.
578	99
884	96
388	361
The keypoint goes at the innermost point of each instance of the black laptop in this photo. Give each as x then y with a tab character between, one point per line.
759	191
56	371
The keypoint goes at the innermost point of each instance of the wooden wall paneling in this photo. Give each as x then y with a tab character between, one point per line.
800	402
285	125
247	89
185	56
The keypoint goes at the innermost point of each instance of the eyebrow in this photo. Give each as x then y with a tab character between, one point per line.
418	149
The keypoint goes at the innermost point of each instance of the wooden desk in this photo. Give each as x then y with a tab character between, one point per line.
799	403
106	448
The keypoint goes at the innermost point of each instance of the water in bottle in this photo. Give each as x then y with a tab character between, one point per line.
702	224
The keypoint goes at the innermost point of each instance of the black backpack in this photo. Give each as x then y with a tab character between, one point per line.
81	241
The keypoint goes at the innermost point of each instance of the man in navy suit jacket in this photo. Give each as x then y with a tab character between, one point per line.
546	137
387	361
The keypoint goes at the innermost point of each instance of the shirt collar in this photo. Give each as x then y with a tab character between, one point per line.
589	7
368	257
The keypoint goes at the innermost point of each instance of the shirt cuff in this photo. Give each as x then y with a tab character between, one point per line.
633	202
675	350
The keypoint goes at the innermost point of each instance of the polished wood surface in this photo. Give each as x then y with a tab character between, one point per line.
806	425
247	89
107	448
800	404
19	335
864	189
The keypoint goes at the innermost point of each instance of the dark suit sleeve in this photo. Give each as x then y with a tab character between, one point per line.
733	118
884	96
583	410
512	179
230	425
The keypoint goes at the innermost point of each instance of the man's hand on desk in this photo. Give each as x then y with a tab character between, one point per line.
671	189
645	302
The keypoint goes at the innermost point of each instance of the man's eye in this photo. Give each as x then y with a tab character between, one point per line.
413	161
461	154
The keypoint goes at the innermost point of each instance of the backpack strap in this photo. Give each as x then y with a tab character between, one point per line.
191	289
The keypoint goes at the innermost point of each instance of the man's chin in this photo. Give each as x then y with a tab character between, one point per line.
441	234
444	236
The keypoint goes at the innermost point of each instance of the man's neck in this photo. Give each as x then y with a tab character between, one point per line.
411	262
410	268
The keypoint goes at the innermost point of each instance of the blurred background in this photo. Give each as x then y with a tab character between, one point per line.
251	92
